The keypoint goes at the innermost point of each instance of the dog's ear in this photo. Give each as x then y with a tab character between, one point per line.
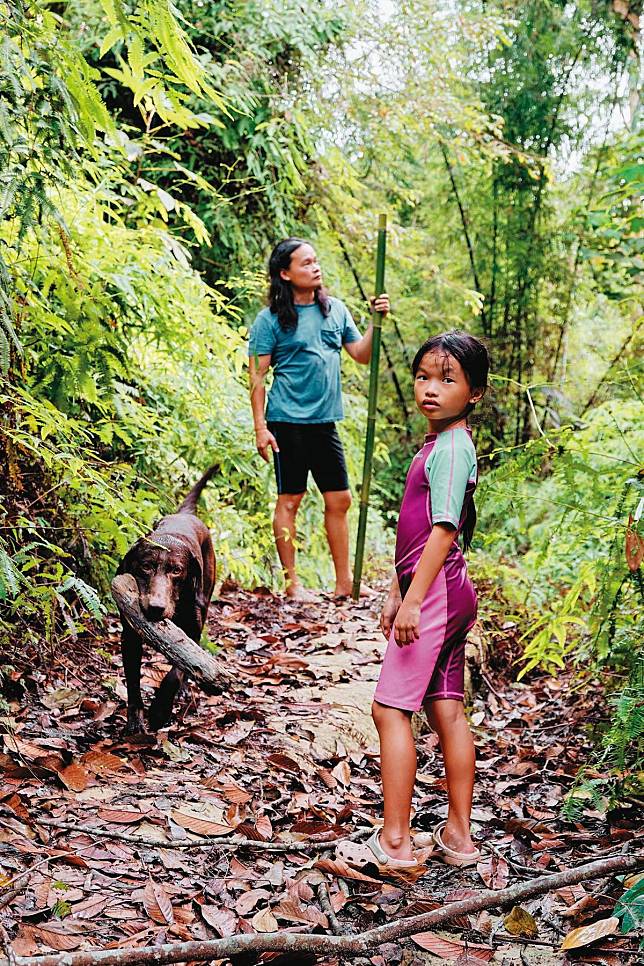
127	563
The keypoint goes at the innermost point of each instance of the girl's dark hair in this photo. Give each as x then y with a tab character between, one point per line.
280	293
474	360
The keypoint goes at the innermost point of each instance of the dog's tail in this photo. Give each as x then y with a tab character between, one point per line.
189	505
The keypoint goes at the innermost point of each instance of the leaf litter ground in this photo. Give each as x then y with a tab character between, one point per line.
287	761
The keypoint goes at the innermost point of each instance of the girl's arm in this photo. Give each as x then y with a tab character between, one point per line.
406	624
390	607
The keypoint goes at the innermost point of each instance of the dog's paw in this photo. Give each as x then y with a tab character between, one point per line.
158	716
135	722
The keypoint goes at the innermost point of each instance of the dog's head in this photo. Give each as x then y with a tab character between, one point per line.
165	569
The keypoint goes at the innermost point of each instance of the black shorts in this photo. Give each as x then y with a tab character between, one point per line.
308	446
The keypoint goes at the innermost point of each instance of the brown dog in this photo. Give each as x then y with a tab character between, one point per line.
174	567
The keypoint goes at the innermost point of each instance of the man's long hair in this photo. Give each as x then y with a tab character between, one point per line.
280	293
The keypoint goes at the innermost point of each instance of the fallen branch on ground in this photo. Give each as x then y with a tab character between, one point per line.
359	944
213	842
164	636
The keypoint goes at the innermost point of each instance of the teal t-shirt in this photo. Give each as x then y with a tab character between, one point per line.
450	468
306	362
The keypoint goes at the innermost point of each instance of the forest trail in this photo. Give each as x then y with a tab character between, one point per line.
287	758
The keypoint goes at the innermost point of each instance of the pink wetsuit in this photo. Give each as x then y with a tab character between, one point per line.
439	486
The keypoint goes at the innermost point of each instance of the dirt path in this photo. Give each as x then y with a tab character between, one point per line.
288	757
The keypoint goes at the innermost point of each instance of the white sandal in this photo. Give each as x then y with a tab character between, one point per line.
448	855
359	855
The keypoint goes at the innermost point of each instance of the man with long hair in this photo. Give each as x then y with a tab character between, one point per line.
300	335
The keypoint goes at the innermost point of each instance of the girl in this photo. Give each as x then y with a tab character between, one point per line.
429	610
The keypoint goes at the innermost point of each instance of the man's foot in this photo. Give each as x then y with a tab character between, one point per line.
344	591
300	594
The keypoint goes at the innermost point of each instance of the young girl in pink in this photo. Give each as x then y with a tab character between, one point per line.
429	610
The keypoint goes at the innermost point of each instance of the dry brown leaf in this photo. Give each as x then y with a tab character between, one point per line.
120	816
448	949
264	827
293	912
233	793
589	934
344	871
494	871
264	921
343	773
63	936
519	922
248	900
103	762
467	958
24	749
223	921
90	907
156	903
284	763
584	904
200	826
634	547
74	777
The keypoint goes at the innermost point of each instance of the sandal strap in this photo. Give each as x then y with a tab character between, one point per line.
438	838
373	843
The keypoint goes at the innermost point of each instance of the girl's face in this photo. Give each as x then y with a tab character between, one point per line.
304	270
442	390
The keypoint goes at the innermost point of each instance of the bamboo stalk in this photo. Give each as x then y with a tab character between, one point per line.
371	412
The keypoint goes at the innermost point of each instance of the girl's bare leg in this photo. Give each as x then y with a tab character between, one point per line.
448	720
398	771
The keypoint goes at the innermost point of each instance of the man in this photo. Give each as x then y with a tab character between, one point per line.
300	335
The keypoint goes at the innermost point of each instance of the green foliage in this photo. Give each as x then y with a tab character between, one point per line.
630	908
151	152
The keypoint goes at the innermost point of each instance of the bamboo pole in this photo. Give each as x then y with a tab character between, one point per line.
371	413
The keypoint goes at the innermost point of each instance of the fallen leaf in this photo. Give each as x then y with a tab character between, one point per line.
519	922
293	912
156	903
449	949
90	907
589	934
284	763
264	827
63	936
344	871
248	900
62	698
494	871
102	762
223	921
200	826
74	777
120	816
264	921
343	773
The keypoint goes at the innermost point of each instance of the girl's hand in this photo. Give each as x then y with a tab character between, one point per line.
380	303
389	610
407	623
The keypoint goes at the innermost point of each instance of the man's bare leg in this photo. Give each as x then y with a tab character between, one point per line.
284	529
336	508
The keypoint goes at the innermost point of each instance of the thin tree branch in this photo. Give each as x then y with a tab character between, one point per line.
466	230
212	842
338	945
624	346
